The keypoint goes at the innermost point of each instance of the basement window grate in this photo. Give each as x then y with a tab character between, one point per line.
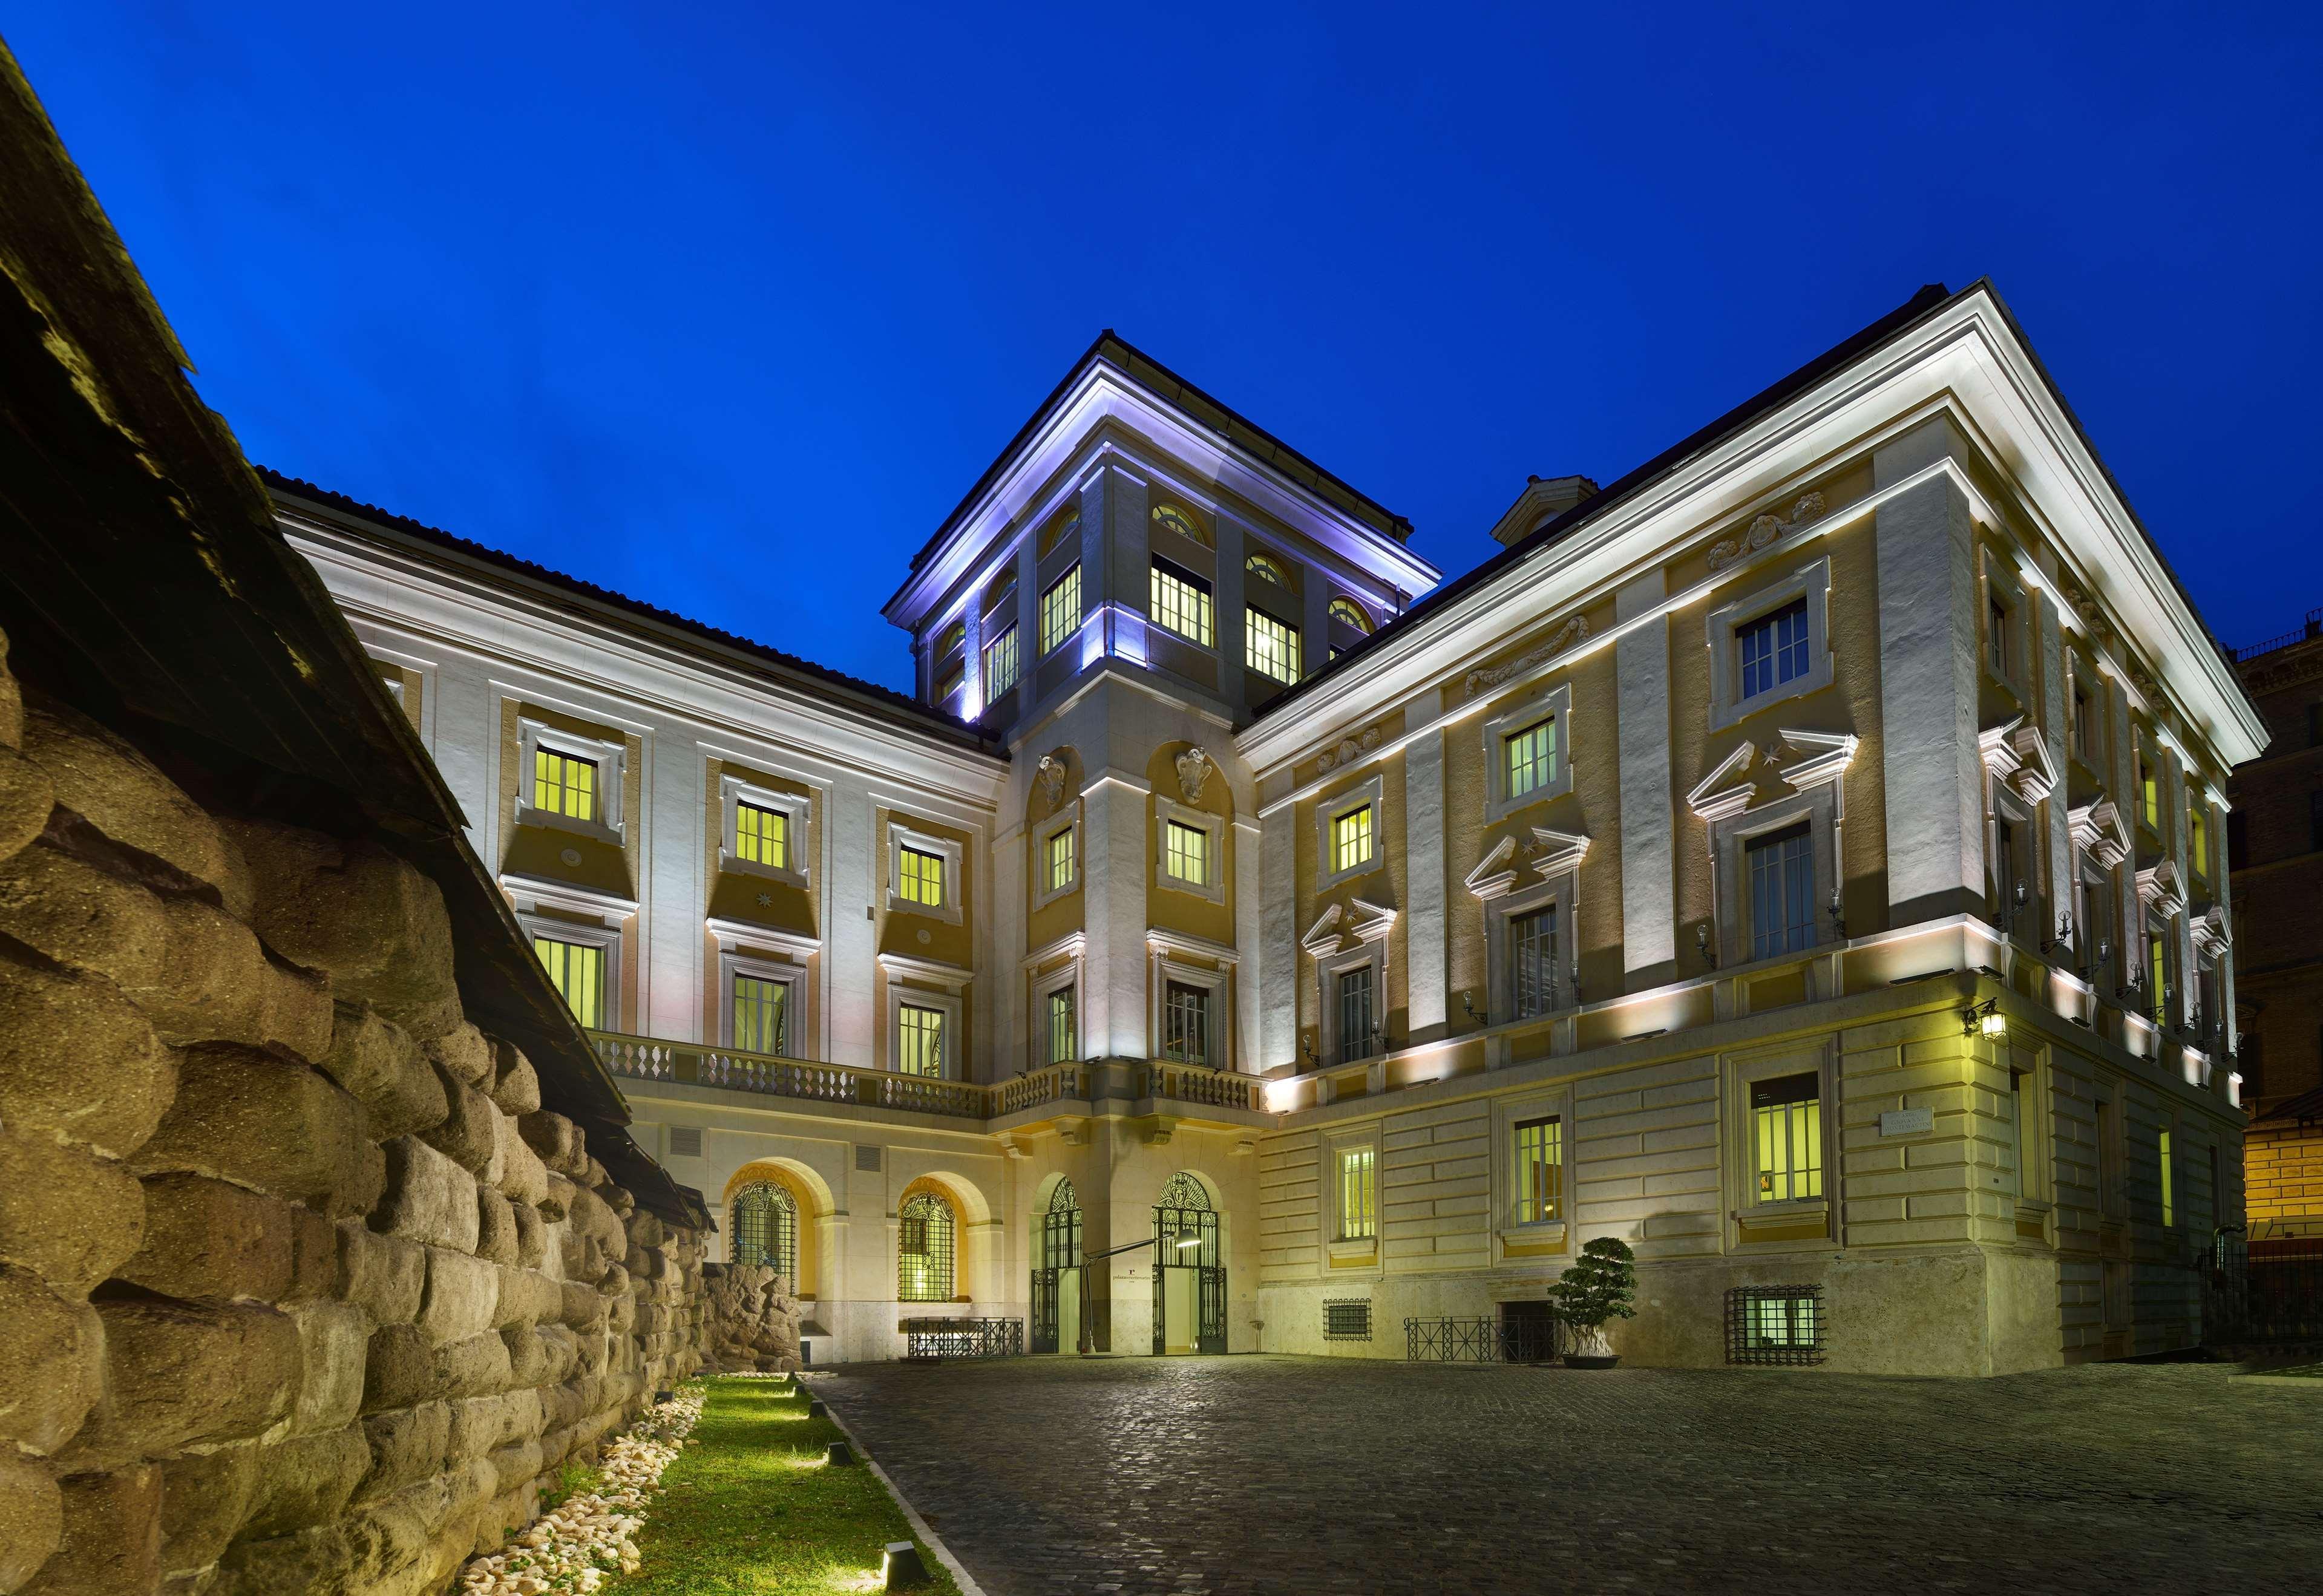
685	1141
1780	1325
1348	1320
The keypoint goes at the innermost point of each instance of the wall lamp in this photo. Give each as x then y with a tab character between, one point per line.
1983	1019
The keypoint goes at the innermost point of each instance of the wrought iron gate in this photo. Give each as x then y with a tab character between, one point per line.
1060	1251
2262	1290
1186	1236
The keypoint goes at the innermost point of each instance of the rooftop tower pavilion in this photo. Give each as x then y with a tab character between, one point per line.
1797	858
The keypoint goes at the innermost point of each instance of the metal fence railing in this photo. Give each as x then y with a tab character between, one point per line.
2312	629
1531	1339
933	1341
2263	1291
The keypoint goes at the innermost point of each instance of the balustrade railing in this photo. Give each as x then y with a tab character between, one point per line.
1212	1088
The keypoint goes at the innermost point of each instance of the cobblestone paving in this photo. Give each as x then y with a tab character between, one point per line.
1199	1475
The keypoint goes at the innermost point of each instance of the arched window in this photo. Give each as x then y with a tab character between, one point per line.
954	636
1064	1200
1265	569
924	1250
765	1228
1352	613
1183	1192
1064	525
1183	523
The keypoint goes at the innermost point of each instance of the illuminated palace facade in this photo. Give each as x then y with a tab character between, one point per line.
1800	859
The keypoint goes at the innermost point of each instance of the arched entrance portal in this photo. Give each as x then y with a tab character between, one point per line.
1190	1272
1057	1272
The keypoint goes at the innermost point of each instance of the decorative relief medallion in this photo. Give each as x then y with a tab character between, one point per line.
1767	528
571	856
1574	630
1350	749
1194	769
1051	774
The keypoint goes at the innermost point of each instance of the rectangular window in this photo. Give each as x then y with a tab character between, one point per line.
1358	1194
1182	601
1351	840
1530	757
2169	1181
762	836
1355	1038
1271	648
1540	1170
1532	956
1060	861
761	1015
951	682
1186	1024
1060	611
2004	863
2085	724
1187	853
1781	872
562	785
922	877
1774	648
2016	1110
2149	792
2198	838
577	970
1775	1324
1786	1137
1063	1039
2157	975
921	1032
1996	643
1000	664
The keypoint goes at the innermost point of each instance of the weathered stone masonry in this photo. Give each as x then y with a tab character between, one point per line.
302	1289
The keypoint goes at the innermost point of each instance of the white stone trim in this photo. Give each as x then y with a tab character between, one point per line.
1508	1112
610	756
1213	827
1328	809
799	1018
900	834
1067	817
946	1003
1370	952
1731	836
1071	974
1556	704
1811	582
528	890
798	811
951	978
1162	951
1741	1072
1332	1207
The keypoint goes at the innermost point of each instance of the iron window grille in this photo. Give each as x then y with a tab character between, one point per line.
933	1341
765	1228
1778	1324
1185	1024
924	1250
1350	1320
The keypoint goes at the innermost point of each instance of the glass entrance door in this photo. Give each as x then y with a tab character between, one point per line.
1189	1275
1056	1273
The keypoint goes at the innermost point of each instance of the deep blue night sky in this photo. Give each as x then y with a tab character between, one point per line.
686	300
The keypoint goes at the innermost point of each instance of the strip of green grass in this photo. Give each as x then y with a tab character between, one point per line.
752	1508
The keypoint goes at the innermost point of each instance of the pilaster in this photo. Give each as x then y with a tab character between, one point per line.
677	807
1649	824
1928	684
1278	951
1113	987
1247	849
1423	836
852	878
2058	837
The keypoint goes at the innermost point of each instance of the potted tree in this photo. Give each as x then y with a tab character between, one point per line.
1598	1288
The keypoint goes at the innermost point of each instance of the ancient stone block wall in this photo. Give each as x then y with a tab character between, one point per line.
300	1289
750	1319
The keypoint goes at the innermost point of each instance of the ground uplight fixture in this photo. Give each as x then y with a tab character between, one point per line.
839	1454
901	1567
1983	1019
815	1410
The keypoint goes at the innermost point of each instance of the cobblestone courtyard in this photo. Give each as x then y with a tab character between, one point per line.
1304	1474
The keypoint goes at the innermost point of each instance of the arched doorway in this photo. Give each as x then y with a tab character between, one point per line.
924	1249
1057	1271
1189	1270
764	1229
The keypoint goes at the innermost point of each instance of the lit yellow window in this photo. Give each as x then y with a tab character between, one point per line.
2157	977
1539	1171
1271	648
762	836
1060	611
577	970
562	785
922	877
1181	522
2168	1183
1358	1194
1062	1041
1530	757
1187	853
920	1034
1181	602
761	1014
2199	836
1349	613
1351	840
1000	664
1060	861
1786	1136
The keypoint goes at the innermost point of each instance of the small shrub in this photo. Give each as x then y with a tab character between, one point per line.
1601	1286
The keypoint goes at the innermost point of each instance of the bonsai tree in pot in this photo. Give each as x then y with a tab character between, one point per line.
1601	1286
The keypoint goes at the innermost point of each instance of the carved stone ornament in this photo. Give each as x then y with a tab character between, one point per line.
1194	767
1052	777
1574	630
1767	528
1350	749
